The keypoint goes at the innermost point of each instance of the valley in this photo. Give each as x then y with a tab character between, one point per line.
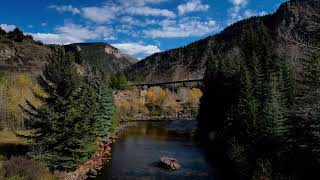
239	104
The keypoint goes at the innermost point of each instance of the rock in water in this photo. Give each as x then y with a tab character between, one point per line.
169	163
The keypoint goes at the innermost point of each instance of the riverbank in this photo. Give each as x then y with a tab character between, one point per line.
102	157
91	168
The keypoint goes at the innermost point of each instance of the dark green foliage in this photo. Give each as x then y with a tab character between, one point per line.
257	118
287	82
274	117
305	119
119	81
248	108
16	35
2	32
105	110
76	110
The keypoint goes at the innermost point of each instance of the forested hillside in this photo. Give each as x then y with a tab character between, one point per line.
259	115
292	27
101	55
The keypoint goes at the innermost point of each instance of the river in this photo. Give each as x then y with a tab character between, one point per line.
137	152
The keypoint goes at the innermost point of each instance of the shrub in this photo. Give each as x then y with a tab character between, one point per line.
20	167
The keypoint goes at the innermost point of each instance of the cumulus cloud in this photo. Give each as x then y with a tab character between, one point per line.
192	6
110	11
137	48
141	2
239	2
66	8
51	38
7	27
185	27
73	33
101	14
235	10
148	11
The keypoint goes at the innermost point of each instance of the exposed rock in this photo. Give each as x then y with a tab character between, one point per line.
295	18
92	172
169	163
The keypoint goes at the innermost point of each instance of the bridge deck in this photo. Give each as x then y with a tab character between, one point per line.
184	83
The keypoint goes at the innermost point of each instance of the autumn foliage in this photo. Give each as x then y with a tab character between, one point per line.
14	90
156	101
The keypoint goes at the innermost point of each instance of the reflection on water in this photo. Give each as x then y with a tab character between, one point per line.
136	154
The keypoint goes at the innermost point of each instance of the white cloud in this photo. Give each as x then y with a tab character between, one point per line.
185	27
140	2
51	38
249	13
192	6
235	10
7	27
239	2
101	14
72	33
263	13
110	11
148	11
66	8
137	48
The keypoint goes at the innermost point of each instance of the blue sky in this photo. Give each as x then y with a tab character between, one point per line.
137	27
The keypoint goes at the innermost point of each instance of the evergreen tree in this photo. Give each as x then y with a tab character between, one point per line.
123	81
273	124
286	82
63	134
106	108
119	81
16	35
2	32
248	109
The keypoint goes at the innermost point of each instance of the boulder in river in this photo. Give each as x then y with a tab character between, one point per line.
169	163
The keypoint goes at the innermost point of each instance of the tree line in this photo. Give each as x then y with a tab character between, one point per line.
264	116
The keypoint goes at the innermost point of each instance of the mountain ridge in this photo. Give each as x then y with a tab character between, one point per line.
21	53
290	21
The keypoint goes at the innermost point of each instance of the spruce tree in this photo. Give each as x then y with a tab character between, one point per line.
286	82
248	110
273	124
61	126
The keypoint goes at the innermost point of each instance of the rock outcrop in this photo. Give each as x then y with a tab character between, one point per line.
169	163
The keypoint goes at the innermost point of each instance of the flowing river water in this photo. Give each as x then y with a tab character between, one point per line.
137	152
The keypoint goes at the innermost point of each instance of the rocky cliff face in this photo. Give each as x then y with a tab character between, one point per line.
295	27
30	56
24	56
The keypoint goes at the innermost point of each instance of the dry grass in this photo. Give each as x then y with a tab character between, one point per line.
9	137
